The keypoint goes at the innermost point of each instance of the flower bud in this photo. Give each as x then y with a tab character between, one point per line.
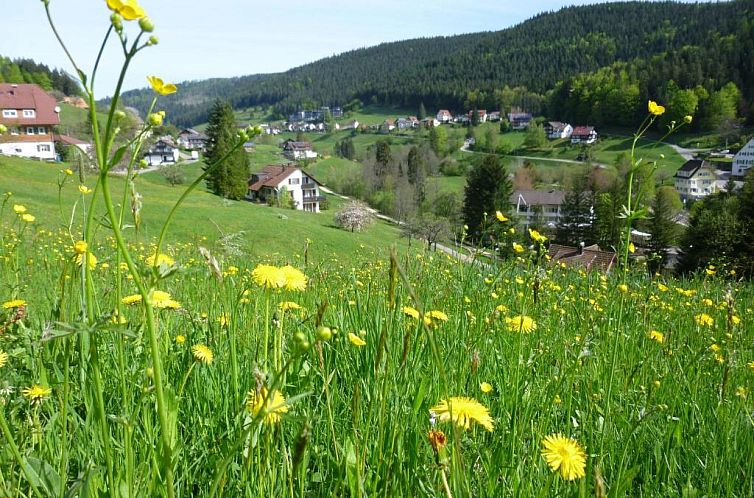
242	136
143	163
153	40
146	24
119	114
324	334
688	119
117	22
155	119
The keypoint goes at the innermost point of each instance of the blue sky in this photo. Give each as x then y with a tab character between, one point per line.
219	38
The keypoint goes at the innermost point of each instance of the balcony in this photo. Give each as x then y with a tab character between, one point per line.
314	198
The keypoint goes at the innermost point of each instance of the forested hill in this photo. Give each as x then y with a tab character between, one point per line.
451	71
28	71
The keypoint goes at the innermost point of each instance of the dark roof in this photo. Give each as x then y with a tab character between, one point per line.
691	166
589	258
27	96
537	197
292	145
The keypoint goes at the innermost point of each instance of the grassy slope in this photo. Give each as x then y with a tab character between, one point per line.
268	231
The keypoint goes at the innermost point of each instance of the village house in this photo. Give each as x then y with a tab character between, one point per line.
696	179
744	159
588	258
164	151
493	116
429	122
519	120
30	114
191	139
583	135
444	116
270	183
481	114
351	125
528	205
556	130
298	150
68	141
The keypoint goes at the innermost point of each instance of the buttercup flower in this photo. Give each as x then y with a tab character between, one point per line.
91	260
462	411
160	86
272	410
537	237
485	387
202	353
84	189
130	10
19	208
356	340
500	217
518	248
28	218
564	455
655	109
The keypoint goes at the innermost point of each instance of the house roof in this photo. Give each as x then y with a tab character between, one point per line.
557	125
538	197
583	130
292	145
589	258
68	140
27	96
444	112
273	175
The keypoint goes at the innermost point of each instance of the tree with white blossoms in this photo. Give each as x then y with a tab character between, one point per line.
354	216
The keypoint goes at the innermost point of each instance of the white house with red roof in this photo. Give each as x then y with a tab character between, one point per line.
444	116
273	180
30	114
583	135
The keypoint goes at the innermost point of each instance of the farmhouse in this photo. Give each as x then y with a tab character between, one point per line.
481	115
274	180
162	152
556	130
744	160
695	179
298	150
588	258
192	139
544	204
584	135
519	120
29	113
444	116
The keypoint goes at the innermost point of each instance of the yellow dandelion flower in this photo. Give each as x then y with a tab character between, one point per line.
80	247
411	312
565	456
485	387
521	323
132	299
202	353
91	260
356	340
655	109
19	208
268	276
180	339
518	248
294	279
437	315
36	393
288	305
623	288
161	259
160	86
657	336
272	410
704	320
462	411
28	218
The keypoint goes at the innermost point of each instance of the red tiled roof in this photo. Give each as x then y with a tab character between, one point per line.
583	130
273	175
27	96
68	140
590	257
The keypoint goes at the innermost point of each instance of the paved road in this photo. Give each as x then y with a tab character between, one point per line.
465	148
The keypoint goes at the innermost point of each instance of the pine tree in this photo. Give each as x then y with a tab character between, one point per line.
665	231
231	177
488	189
438	140
422	111
576	222
417	173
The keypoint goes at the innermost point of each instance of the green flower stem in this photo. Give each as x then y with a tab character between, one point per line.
17	454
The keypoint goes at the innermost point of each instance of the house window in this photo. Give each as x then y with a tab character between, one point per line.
30	130
43	148
293	181
29	113
10	113
41	130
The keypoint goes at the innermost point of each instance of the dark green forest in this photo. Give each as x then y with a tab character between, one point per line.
597	49
28	71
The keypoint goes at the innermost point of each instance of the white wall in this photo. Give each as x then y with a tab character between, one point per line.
28	149
744	160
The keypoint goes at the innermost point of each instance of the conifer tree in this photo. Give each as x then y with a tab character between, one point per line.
576	222
488	189
231	177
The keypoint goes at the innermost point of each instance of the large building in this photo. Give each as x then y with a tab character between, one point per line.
30	114
273	180
537	205
744	160
695	179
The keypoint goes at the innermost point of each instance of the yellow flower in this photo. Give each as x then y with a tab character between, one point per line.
564	455
28	218
657	336
272	409
202	353
521	323
742	392
518	248
91	260
15	303
68	171
500	217
132	299
19	208
294	279
160	86
130	10
462	411
688	119
84	189
710	270
704	320
662	287
437	440
80	247
356	340
655	109
485	387
289	305
537	237
411	312
268	276
180	339
3	358
163	300
162	259
631	247
36	393
623	288
437	315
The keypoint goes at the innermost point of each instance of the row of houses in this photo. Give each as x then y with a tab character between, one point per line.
556	130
